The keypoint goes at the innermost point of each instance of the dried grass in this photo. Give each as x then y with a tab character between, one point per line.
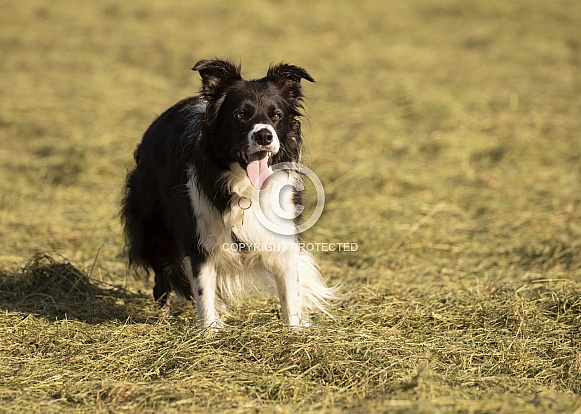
81	346
446	136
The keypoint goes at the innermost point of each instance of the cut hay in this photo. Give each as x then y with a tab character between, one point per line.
56	289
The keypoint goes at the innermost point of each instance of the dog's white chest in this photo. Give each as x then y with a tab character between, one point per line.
261	220
265	216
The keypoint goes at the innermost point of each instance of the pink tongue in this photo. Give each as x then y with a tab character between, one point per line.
257	169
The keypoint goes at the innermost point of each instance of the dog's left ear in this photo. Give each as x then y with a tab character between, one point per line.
216	75
288	78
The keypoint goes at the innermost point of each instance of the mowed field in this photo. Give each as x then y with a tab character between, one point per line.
447	135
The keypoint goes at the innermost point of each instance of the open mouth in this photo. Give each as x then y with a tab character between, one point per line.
257	166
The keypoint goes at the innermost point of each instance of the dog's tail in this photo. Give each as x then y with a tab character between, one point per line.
315	294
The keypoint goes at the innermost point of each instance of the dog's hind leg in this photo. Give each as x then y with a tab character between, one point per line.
162	288
170	277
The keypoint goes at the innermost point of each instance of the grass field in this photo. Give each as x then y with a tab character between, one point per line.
447	135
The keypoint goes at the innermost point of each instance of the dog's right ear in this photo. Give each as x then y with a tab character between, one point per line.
216	75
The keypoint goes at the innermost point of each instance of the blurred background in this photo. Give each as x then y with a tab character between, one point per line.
446	133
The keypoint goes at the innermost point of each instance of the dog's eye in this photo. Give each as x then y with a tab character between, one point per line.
239	115
276	117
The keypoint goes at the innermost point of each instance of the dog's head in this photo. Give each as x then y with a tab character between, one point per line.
255	123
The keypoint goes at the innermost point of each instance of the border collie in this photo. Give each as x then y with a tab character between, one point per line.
193	195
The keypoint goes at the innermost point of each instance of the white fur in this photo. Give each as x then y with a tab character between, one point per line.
274	146
205	282
285	270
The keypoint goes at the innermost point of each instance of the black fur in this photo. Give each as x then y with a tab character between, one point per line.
157	212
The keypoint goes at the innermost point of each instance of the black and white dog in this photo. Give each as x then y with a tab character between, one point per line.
192	196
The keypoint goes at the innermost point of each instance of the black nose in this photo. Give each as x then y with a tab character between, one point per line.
263	137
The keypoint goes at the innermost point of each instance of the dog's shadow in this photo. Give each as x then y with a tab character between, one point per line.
58	290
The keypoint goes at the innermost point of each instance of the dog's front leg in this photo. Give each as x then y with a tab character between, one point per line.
290	300
288	286
205	295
